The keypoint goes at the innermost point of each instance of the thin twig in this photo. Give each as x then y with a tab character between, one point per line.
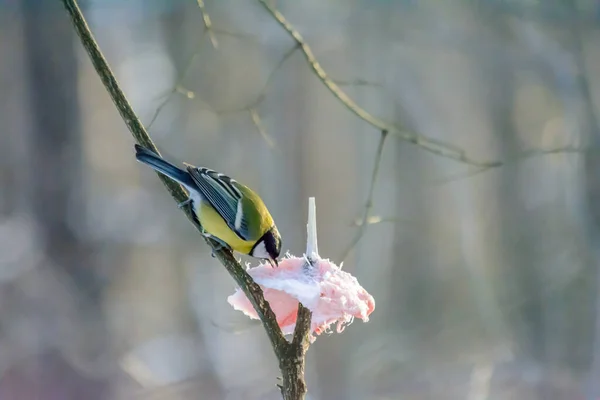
521	156
373	220
249	287
178	84
263	92
207	23
190	94
257	120
178	87
252	108
429	144
369	204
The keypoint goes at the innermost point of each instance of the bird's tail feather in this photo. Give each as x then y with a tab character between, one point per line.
159	164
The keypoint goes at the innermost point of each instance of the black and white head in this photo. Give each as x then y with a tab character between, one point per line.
268	246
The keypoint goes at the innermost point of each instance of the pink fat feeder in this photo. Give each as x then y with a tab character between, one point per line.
332	295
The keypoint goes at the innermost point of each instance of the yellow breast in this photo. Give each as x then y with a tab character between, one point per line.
215	225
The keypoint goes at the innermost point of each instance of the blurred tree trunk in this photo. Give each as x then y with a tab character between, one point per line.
522	300
175	32
14	196
339	192
56	159
591	132
535	309
592	166
54	176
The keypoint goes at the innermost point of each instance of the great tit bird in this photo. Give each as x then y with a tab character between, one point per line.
228	211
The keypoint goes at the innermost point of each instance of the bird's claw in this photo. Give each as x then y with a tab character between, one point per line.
218	246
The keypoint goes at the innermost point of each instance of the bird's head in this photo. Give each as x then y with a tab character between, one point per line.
268	246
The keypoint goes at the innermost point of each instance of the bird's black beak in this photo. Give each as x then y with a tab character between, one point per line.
274	263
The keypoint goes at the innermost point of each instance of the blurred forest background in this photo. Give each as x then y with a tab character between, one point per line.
485	278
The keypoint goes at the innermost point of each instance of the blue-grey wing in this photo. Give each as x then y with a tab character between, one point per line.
221	193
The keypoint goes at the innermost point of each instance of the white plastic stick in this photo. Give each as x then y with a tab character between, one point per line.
312	248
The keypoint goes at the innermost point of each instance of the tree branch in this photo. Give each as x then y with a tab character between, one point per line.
369	204
207	23
178	84
429	144
252	108
280	345
520	156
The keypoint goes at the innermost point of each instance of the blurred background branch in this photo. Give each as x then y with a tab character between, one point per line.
429	144
362	225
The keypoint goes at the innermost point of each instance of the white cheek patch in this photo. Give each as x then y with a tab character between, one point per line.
260	251
238	216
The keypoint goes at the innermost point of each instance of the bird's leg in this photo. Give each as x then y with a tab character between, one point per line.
220	245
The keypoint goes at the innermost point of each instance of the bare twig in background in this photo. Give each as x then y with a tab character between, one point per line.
261	128
373	220
252	108
263	92
290	355
432	145
429	144
190	94
207	23
178	85
524	155
544	13
362	226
